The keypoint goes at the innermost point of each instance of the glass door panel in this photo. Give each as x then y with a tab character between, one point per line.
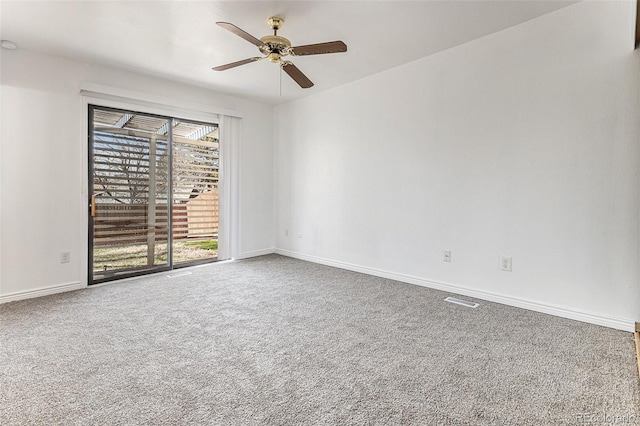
129	191
196	159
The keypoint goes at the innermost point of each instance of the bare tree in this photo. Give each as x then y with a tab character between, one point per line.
123	165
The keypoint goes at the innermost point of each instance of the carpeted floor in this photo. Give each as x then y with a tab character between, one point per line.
274	340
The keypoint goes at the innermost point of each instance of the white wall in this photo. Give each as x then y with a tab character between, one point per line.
524	143
42	162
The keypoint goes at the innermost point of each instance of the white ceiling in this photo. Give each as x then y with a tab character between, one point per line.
179	40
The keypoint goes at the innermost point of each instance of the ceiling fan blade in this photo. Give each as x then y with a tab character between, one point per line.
237	64
241	33
296	75
320	48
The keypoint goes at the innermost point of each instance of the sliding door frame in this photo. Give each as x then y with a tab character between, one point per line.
106	97
91	218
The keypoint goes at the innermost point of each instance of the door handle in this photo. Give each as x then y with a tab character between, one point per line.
93	206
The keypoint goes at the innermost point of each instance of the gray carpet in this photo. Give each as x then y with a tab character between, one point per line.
274	340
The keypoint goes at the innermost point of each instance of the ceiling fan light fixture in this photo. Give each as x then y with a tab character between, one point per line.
274	57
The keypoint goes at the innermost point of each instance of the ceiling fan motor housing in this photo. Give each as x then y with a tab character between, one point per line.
275	47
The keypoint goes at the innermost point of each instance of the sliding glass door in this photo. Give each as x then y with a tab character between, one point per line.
153	193
196	162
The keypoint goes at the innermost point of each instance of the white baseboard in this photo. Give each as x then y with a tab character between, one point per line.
255	253
42	291
560	311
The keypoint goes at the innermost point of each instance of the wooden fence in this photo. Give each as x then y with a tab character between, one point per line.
127	224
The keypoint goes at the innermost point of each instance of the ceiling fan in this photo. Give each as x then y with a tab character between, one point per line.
275	47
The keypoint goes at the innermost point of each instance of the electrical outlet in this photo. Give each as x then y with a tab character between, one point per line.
505	263
447	255
65	257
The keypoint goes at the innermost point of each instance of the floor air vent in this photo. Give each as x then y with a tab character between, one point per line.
462	302
179	274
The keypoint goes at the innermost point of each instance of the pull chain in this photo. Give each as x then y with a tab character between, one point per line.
280	80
